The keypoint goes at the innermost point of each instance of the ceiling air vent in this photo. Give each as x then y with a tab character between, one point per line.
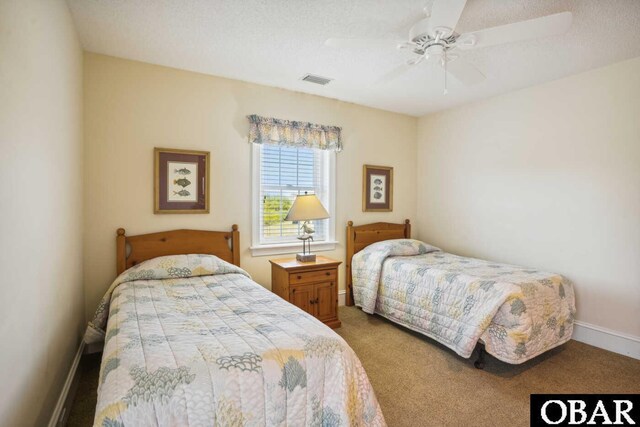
316	79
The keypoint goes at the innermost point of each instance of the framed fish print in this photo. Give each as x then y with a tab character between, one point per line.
377	188
181	181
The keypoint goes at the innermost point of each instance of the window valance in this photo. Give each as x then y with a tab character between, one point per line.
267	130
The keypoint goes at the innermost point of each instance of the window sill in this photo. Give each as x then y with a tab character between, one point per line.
291	248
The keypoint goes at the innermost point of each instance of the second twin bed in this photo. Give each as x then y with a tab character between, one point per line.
516	313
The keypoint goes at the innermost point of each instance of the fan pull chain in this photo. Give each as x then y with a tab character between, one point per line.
444	55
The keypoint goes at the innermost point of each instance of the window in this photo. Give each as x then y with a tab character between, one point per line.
280	173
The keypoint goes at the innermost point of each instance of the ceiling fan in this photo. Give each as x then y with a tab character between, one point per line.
434	40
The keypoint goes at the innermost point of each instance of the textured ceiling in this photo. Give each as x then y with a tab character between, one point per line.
276	42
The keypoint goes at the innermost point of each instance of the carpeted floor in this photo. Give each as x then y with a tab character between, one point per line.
84	404
421	383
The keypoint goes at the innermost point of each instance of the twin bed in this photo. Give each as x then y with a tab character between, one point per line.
190	339
512	313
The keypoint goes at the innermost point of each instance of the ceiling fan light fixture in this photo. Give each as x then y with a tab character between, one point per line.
436	49
433	38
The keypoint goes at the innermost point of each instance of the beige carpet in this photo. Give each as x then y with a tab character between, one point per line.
421	383
84	404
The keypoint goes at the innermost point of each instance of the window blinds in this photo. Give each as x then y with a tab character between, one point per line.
286	172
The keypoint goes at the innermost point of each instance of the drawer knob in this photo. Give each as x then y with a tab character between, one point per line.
299	277
328	274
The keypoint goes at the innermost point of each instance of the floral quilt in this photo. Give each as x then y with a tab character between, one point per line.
191	340
518	313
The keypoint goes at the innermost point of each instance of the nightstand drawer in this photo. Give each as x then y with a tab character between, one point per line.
313	276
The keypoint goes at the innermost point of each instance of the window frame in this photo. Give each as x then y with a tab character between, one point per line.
262	249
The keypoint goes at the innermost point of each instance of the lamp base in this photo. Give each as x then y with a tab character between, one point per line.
306	257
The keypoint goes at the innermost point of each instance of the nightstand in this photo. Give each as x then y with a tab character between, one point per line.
312	286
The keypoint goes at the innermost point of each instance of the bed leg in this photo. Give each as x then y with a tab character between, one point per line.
479	363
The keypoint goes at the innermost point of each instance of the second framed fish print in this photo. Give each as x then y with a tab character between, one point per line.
377	188
181	181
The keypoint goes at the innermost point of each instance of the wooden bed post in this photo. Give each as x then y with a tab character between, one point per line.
121	251
235	244
407	229
349	287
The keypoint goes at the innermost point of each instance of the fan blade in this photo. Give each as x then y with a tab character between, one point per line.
393	74
546	26
361	43
464	72
445	14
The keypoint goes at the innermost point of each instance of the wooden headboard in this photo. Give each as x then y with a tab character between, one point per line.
361	236
223	244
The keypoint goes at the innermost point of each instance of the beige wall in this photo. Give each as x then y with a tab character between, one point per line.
547	177
41	292
131	107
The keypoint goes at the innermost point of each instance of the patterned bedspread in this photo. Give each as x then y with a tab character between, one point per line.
191	340
517	312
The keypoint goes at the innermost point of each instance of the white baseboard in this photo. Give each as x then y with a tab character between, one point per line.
607	339
342	297
57	412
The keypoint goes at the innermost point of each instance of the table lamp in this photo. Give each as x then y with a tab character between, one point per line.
306	207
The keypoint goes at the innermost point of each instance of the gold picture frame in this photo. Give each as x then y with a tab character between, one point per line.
377	188
181	181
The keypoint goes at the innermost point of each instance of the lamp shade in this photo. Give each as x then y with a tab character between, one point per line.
306	207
